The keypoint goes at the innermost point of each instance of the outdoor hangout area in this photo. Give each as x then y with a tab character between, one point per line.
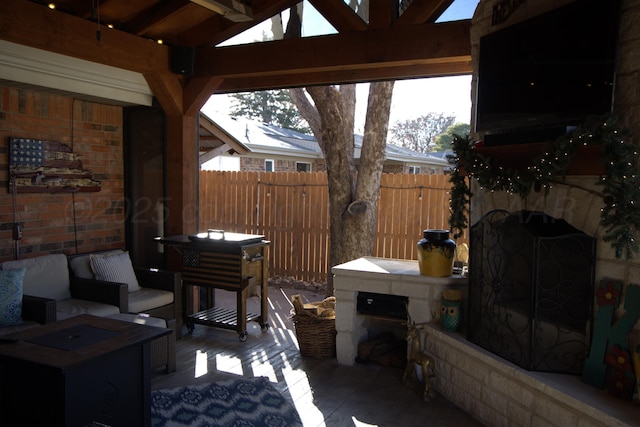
337	279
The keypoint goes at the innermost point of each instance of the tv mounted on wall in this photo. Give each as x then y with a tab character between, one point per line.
541	76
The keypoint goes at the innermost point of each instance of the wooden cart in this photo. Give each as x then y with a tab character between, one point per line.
229	261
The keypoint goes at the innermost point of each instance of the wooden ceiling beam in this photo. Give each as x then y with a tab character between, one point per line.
351	52
383	13
218	29
197	91
141	23
62	33
168	92
423	11
340	15
246	84
82	8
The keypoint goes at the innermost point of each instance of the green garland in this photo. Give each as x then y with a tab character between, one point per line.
620	216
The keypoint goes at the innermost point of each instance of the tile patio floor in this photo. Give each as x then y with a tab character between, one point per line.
324	392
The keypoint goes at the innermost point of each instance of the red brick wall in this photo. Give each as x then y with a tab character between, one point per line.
63	222
254	164
248	164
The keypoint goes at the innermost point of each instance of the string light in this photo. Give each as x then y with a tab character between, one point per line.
620	217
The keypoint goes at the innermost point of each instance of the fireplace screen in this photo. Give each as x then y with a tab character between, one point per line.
531	287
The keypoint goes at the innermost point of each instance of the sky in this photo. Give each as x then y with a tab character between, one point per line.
411	98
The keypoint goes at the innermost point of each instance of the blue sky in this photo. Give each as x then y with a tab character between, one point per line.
411	98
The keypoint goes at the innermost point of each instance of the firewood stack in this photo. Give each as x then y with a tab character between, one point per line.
315	325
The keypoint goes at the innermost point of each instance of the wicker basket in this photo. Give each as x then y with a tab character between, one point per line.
316	335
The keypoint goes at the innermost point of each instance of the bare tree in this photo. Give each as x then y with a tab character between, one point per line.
419	134
353	192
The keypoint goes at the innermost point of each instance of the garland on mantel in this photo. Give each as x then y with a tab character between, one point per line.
620	217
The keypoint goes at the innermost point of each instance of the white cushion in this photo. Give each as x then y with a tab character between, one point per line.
147	299
74	307
115	268
46	276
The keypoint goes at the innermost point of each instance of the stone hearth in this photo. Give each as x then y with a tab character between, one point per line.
493	390
387	277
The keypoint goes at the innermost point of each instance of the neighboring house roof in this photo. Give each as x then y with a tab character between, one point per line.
216	141
263	138
442	154
267	139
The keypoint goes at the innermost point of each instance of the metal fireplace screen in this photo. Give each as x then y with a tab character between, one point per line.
531	287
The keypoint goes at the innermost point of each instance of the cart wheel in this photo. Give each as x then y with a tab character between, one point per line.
190	327
265	327
243	336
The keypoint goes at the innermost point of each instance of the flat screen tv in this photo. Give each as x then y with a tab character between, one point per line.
550	71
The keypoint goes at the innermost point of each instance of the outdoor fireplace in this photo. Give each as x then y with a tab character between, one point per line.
531	287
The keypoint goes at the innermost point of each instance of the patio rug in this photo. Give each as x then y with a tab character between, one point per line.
243	402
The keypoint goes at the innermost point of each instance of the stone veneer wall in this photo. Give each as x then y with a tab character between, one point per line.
387	277
497	392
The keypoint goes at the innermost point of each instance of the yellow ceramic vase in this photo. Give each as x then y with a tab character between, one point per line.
435	253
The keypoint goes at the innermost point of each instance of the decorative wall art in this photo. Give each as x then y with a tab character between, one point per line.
610	361
37	166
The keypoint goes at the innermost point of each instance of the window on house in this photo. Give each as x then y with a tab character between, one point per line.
414	169
269	166
303	167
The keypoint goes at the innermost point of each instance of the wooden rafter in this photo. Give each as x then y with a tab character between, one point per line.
423	11
340	15
351	53
217	29
72	36
383	13
356	54
143	22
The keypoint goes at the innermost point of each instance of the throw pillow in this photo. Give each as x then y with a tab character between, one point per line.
11	296
115	268
80	265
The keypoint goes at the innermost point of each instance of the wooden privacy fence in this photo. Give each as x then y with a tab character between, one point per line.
292	210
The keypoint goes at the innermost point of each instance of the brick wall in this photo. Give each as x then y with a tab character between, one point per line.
63	222
253	164
248	164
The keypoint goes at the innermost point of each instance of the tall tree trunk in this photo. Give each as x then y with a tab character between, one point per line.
353	194
360	220
338	148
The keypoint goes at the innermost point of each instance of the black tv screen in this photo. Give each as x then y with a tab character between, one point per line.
555	69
